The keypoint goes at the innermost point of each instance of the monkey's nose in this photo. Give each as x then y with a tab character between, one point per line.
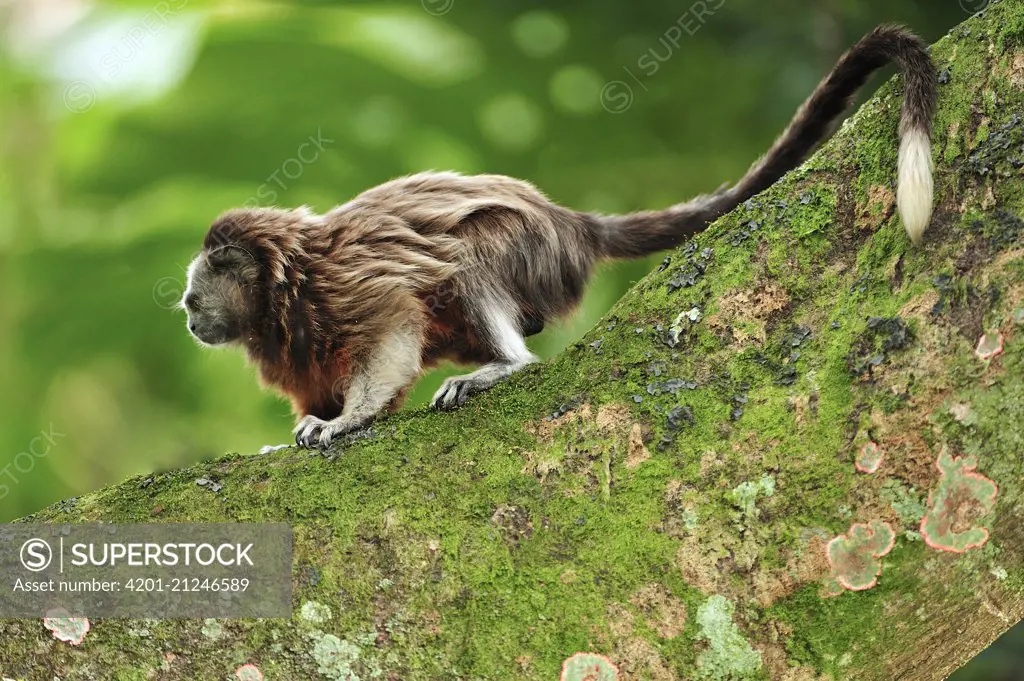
192	327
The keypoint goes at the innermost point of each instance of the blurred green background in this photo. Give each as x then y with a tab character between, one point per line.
128	126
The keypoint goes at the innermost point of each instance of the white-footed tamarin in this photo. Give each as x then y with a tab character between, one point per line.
343	311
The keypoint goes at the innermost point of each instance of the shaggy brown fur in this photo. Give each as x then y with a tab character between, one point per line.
343	311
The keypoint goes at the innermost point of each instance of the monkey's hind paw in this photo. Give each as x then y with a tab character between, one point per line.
456	390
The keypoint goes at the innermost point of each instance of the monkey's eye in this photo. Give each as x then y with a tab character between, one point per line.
192	301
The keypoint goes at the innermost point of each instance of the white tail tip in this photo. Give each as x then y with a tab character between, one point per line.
914	185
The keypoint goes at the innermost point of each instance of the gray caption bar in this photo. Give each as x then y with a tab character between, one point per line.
155	571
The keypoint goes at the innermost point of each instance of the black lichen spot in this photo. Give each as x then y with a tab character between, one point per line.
944	76
665	263
943	282
738	400
656	368
672	385
744	232
883	336
209	484
798	335
1002	231
995	148
564	409
861	285
787	375
694	266
962	303
308	576
680	416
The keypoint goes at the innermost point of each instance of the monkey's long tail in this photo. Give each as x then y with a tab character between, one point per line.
637	234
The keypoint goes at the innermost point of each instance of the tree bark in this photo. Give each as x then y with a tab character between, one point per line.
686	491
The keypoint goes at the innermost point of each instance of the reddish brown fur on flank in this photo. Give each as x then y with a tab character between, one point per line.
342	311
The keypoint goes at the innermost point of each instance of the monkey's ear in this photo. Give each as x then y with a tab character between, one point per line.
234	259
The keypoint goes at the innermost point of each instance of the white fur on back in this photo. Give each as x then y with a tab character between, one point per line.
914	186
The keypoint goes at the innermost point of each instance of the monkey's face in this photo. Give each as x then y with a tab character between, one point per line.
218	298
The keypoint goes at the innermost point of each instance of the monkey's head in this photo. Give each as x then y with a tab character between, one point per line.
219	296
246	252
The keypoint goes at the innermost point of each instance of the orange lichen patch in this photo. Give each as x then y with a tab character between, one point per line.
869	459
248	672
66	628
989	345
855	556
589	667
962	497
637	453
908	455
665	613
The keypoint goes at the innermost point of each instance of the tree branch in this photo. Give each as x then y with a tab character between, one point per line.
686	490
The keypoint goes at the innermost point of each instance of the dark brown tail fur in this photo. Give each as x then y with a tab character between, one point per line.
629	236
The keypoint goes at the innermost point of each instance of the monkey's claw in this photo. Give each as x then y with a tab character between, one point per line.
309	431
455	391
315	432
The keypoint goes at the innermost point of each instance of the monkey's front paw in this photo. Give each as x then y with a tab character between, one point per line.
315	432
307	431
455	391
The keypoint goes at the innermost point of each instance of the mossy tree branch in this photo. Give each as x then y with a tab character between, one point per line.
685	491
